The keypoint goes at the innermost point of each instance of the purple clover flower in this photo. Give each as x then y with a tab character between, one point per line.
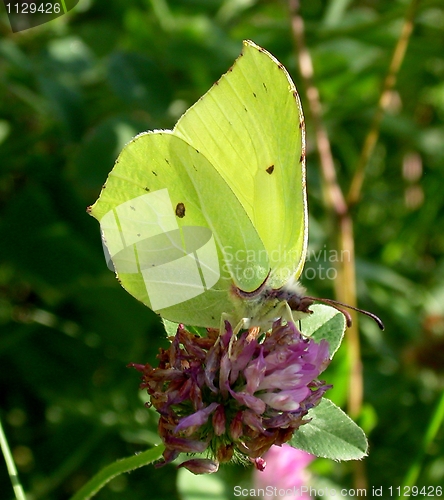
233	396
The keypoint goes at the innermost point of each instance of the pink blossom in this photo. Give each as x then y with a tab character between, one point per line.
286	471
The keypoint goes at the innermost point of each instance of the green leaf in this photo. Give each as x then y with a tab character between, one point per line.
331	434
171	328
197	330
325	323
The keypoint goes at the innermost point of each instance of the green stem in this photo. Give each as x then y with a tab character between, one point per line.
345	284
383	103
119	467
18	488
433	428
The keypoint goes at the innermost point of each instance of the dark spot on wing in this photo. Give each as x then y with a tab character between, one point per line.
270	169
132	208
254	94
301	124
301	159
281	66
180	210
265	87
167	161
146	188
88	209
154	173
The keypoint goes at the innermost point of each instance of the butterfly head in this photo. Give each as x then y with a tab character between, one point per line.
263	302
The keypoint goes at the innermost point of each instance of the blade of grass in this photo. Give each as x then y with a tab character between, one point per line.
431	432
119	467
345	284
383	103
12	471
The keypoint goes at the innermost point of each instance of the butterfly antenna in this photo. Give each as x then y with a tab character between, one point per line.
339	306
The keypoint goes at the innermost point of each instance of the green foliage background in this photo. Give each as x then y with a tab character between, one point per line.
74	91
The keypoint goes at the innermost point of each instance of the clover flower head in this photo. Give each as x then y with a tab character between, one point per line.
233	396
